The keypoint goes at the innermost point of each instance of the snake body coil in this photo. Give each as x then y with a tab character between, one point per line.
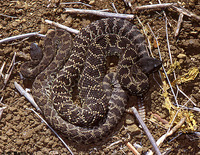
103	99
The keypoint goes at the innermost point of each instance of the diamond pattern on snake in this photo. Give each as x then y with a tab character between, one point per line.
67	63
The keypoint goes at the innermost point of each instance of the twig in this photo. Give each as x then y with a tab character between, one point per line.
12	63
76	3
194	108
27	95
132	148
115	143
7	16
21	37
1	111
180	20
157	81
62	26
10	69
153	6
137	146
128	3
197	133
113	5
1	70
168	45
174	129
179	133
99	13
185	12
174	6
160	119
146	130
1	99
149	43
52	130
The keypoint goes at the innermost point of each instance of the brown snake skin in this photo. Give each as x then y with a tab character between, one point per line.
82	63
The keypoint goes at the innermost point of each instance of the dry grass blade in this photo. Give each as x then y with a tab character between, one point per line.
172	90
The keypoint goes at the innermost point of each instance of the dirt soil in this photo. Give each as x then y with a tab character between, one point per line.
23	132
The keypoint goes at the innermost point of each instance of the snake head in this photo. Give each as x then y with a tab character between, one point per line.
149	64
35	52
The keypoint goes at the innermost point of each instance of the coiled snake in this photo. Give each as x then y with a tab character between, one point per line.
103	97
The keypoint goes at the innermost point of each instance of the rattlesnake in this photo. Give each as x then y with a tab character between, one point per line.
103	96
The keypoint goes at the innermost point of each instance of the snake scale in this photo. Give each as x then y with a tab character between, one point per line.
66	64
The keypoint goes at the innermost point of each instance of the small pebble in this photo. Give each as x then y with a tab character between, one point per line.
19	141
16	32
181	56
92	2
46	140
133	128
4	138
43	29
27	134
14	24
9	132
129	119
68	21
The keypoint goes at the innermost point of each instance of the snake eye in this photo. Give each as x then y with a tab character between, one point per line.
157	64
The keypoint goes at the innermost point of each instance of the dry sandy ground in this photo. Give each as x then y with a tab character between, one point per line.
24	133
